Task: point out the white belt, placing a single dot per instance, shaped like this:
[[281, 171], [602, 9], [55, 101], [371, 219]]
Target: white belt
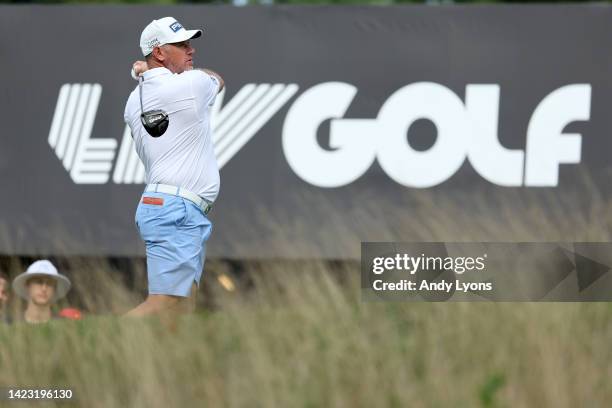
[[204, 205]]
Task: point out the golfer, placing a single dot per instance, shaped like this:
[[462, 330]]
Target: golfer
[[40, 285], [173, 100]]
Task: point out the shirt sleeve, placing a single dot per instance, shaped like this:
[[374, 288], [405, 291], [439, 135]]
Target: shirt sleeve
[[126, 116], [128, 112], [205, 87]]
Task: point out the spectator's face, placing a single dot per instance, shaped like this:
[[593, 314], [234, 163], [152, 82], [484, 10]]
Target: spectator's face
[[41, 290], [3, 291]]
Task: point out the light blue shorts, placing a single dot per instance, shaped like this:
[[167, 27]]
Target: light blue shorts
[[175, 232]]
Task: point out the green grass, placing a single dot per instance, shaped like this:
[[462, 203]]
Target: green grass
[[300, 338]]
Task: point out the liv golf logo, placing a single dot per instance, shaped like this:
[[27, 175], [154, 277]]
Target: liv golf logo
[[89, 161], [466, 130]]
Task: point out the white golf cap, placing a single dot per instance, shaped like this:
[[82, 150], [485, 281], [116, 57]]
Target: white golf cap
[[41, 268], [164, 31]]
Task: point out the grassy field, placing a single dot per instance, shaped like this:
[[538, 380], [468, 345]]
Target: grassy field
[[301, 337], [297, 334]]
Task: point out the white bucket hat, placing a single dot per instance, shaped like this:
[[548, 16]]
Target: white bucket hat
[[41, 268], [164, 31]]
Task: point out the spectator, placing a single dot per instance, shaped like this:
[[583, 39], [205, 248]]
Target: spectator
[[4, 297], [41, 285]]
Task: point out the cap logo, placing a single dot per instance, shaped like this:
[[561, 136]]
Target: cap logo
[[175, 26], [153, 42]]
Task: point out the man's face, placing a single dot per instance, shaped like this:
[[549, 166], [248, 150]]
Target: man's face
[[41, 290], [178, 56], [3, 291]]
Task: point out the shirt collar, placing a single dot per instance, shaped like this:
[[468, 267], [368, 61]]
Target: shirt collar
[[152, 73]]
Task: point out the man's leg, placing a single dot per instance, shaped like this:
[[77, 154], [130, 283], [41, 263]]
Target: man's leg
[[170, 247], [190, 303], [158, 304]]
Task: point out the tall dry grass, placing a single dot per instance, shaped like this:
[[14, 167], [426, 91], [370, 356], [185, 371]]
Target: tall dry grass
[[301, 337]]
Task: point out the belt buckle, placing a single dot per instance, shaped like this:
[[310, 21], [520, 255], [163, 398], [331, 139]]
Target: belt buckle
[[207, 208]]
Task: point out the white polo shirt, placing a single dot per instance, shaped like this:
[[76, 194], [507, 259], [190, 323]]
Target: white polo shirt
[[184, 155]]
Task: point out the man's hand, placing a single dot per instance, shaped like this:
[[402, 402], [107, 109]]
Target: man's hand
[[138, 68]]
